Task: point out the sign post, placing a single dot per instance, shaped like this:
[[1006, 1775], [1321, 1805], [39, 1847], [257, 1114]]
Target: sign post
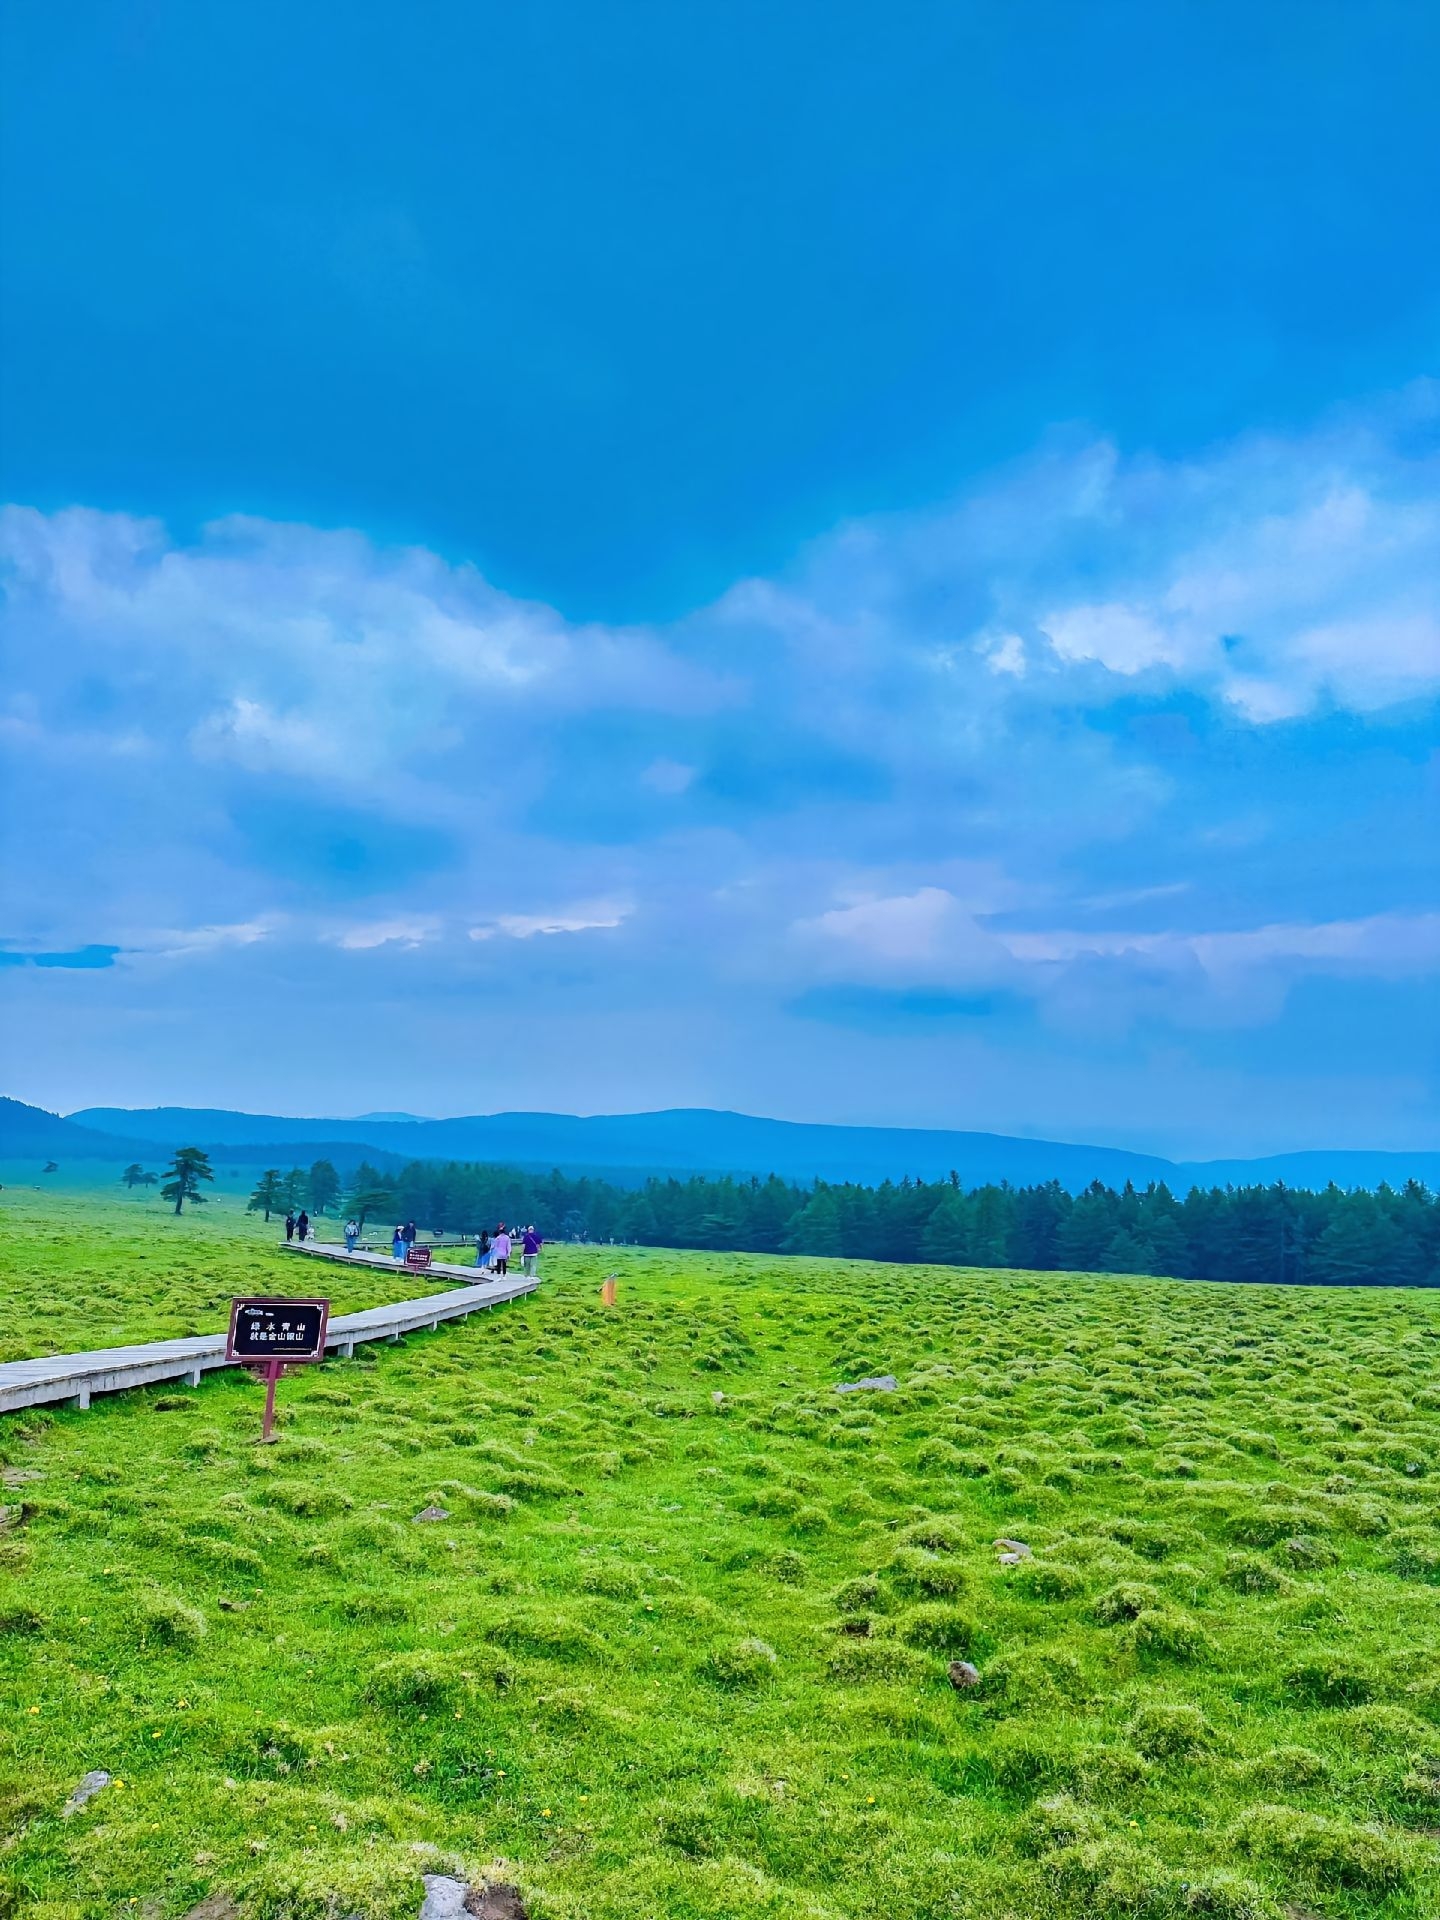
[[269, 1335], [418, 1257]]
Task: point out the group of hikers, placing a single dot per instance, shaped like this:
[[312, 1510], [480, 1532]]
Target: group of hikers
[[492, 1251], [492, 1255]]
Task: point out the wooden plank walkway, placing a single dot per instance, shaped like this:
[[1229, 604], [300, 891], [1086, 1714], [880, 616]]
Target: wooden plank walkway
[[74, 1377], [375, 1257]]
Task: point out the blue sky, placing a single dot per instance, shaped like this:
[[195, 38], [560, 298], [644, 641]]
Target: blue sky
[[862, 564]]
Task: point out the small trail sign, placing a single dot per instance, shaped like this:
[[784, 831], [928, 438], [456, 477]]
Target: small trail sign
[[270, 1335], [418, 1257]]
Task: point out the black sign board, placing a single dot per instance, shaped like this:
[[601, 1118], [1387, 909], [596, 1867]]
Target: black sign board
[[281, 1330], [418, 1257]]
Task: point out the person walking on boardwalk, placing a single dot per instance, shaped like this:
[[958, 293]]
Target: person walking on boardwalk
[[290, 1224], [482, 1251], [397, 1245], [530, 1245], [407, 1234], [352, 1234], [500, 1252], [302, 1226]]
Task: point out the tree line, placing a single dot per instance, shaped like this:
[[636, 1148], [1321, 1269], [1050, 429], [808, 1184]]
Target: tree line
[[1275, 1234]]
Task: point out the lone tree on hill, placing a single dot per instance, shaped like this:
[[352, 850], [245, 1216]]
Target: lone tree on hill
[[268, 1193], [51, 1166], [136, 1176], [183, 1177], [324, 1186]]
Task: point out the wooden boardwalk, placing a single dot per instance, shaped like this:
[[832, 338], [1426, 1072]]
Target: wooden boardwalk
[[74, 1377]]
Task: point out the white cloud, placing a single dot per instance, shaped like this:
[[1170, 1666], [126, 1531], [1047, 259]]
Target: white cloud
[[925, 937], [292, 648], [1123, 639], [367, 934], [1273, 575], [1387, 943], [263, 741], [181, 942], [584, 917], [1005, 654]]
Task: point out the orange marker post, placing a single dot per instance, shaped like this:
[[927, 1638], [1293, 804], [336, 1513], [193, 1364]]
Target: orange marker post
[[607, 1289]]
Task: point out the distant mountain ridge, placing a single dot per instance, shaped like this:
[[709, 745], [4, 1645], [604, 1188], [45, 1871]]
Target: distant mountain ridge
[[32, 1133], [702, 1140]]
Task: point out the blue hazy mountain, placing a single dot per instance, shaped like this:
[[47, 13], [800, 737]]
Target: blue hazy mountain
[[699, 1140], [28, 1133]]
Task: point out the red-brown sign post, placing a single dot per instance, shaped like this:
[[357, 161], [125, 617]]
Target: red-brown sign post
[[269, 1335]]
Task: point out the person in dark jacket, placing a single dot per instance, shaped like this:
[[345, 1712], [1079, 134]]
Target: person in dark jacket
[[302, 1226], [408, 1234], [290, 1224]]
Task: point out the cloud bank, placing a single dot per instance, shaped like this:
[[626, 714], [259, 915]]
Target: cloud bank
[[1113, 749]]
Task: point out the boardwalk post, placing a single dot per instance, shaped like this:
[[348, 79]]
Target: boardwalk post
[[272, 1374]]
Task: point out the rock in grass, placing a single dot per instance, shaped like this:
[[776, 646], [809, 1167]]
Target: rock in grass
[[444, 1897], [87, 1790], [1012, 1552], [962, 1675], [876, 1383], [432, 1513]]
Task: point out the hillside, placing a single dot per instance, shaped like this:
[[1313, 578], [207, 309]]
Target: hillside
[[696, 1140], [679, 1640], [32, 1133]]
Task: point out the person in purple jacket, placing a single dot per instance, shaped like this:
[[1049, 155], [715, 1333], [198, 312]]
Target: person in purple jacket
[[530, 1245], [500, 1250]]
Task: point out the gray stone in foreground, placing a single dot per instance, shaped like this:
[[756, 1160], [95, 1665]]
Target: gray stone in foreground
[[877, 1383], [433, 1513], [444, 1898], [87, 1790]]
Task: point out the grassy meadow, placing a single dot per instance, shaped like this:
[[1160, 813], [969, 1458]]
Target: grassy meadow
[[681, 1643]]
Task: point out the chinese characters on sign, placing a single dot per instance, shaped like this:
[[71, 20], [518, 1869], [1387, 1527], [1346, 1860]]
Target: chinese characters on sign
[[282, 1330]]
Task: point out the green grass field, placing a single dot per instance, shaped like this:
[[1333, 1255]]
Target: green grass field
[[681, 1646]]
